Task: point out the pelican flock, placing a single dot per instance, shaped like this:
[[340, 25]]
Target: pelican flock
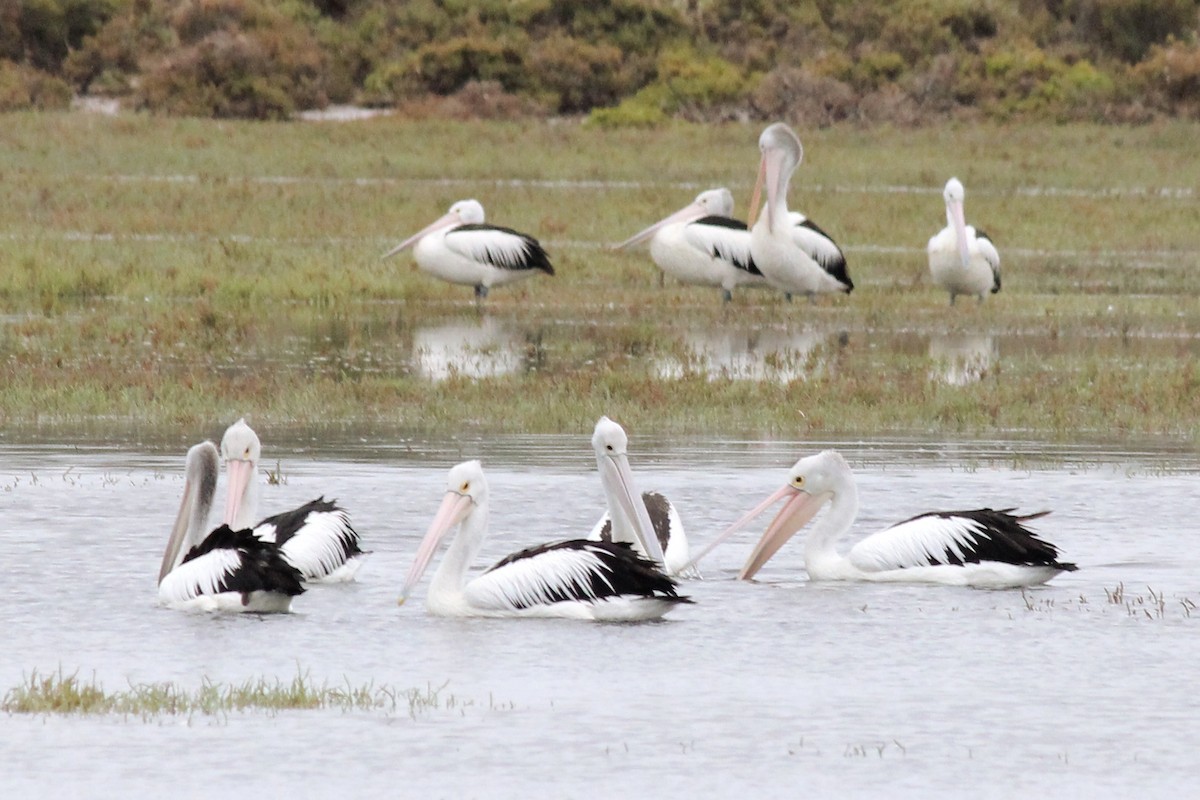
[[982, 548], [795, 255], [225, 570], [574, 579], [626, 568], [702, 244], [962, 259], [459, 248], [316, 537]]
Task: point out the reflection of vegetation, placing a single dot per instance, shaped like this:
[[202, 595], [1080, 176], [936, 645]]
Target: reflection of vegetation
[[59, 693], [631, 61]]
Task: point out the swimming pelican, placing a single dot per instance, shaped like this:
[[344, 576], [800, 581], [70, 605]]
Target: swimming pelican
[[316, 537], [576, 579], [984, 548], [612, 460], [962, 259], [460, 248], [226, 570], [794, 254], [702, 245]]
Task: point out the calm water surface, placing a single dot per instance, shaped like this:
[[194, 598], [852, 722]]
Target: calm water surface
[[776, 688]]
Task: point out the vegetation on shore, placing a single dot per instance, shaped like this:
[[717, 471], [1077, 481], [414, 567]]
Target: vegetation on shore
[[166, 274], [625, 62]]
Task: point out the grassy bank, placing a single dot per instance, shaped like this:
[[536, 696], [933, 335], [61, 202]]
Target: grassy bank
[[174, 272]]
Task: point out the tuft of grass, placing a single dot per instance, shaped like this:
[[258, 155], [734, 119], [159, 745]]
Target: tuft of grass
[[67, 694]]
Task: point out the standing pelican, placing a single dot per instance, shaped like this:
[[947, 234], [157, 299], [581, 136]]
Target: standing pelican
[[661, 521], [226, 570], [702, 245], [576, 579], [983, 548], [962, 260], [794, 254], [460, 248], [316, 537]]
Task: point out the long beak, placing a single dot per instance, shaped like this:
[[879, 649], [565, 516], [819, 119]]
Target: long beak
[[445, 221], [453, 510], [756, 198], [794, 515], [240, 474], [178, 530], [692, 212], [786, 491], [959, 221], [615, 474]]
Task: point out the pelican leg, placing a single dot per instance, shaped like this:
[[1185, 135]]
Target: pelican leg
[[726, 295], [480, 291]]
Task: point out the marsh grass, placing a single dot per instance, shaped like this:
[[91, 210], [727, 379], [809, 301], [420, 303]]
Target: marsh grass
[[1152, 605], [68, 694], [169, 273]]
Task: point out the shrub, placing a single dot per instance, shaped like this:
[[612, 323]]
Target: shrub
[[42, 32], [1128, 29], [804, 98], [23, 87], [235, 58], [444, 67], [629, 114], [575, 76], [1170, 78]]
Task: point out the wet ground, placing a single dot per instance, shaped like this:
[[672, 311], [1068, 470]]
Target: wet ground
[[773, 688]]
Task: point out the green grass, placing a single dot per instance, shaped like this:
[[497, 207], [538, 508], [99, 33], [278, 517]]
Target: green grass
[[163, 274], [67, 694]]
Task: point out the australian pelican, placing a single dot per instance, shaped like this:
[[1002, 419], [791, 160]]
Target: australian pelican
[[794, 254], [576, 579], [226, 570], [460, 248], [316, 537], [653, 520], [983, 548], [962, 259], [703, 245]]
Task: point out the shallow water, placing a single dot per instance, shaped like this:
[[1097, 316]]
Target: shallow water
[[776, 688]]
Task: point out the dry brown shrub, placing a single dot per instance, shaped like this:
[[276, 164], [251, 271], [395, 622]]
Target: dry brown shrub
[[1170, 76], [475, 100], [797, 95]]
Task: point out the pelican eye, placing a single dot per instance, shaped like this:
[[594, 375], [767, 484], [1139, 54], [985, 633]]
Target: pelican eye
[[465, 487], [608, 447], [798, 481]]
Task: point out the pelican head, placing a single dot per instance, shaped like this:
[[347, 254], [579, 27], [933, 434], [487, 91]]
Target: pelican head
[[466, 490], [631, 522], [464, 212], [781, 154], [811, 482], [954, 194], [711, 202], [241, 451], [199, 488]]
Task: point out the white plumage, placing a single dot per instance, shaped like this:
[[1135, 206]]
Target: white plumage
[[459, 248], [703, 245], [962, 260], [795, 255], [575, 579], [983, 548]]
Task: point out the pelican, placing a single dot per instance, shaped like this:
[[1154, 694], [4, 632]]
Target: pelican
[[575, 579], [983, 548], [962, 260], [794, 254], [702, 245], [461, 249], [226, 570], [661, 524], [316, 537]]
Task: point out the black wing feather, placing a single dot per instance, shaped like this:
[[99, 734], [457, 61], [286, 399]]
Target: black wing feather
[[535, 256], [1003, 538], [288, 524], [263, 567]]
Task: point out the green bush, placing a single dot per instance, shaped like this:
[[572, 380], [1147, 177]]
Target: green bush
[[575, 76], [42, 33]]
